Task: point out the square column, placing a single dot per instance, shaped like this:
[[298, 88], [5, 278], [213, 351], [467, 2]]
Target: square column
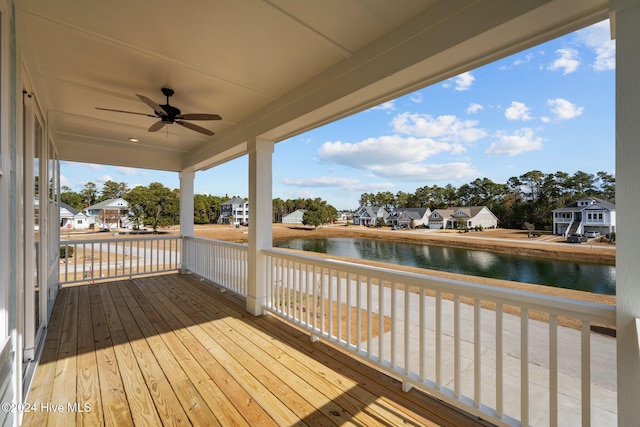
[[186, 202], [186, 213], [625, 21], [260, 214]]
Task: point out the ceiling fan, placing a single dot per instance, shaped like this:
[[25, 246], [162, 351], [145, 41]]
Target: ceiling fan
[[169, 114]]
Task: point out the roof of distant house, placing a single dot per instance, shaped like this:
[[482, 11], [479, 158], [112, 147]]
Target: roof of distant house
[[235, 201], [413, 213], [470, 211], [296, 212], [594, 203], [72, 210], [116, 203]]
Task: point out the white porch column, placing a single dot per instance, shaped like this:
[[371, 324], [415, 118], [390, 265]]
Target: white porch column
[[260, 213], [625, 20], [186, 202], [186, 212]]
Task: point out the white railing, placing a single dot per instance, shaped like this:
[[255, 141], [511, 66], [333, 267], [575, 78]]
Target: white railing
[[504, 355], [478, 347], [221, 262], [97, 259]]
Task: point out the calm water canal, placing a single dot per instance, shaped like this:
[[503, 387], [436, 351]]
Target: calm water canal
[[594, 278]]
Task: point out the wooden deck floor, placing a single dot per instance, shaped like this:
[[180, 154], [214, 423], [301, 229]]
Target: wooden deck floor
[[171, 350]]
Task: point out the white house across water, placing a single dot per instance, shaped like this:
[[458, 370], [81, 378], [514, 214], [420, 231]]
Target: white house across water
[[585, 215]]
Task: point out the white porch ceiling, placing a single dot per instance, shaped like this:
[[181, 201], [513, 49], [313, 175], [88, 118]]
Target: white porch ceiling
[[271, 69]]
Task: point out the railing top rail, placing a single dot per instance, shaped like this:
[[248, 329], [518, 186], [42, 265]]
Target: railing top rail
[[582, 310], [217, 242], [123, 238]]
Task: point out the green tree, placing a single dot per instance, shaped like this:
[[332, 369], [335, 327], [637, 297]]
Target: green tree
[[386, 199], [89, 194], [583, 184], [607, 185], [278, 209], [155, 205], [113, 190], [367, 199], [531, 184], [70, 197], [318, 212], [206, 208], [312, 217], [450, 196], [402, 199]]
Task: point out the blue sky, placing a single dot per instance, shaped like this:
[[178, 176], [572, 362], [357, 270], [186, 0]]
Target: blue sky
[[549, 108]]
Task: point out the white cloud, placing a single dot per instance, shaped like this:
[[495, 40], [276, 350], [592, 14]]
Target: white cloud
[[563, 109], [385, 106], [461, 82], [130, 171], [64, 181], [598, 38], [426, 172], [104, 178], [568, 61], [528, 57], [348, 184], [382, 150], [474, 108], [327, 181], [301, 194], [445, 128], [522, 60], [416, 98], [517, 111], [518, 142]]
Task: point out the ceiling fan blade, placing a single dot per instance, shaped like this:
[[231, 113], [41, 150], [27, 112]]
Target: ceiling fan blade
[[157, 126], [158, 109], [194, 127], [122, 111], [197, 116]]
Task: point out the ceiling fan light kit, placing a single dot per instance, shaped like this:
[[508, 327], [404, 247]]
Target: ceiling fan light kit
[[169, 114]]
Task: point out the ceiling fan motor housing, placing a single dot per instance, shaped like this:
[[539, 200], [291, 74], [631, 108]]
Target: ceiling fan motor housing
[[172, 111]]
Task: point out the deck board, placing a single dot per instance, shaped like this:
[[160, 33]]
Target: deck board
[[113, 399], [173, 350], [88, 384]]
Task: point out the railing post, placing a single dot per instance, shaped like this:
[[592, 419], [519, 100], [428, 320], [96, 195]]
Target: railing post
[[260, 234]]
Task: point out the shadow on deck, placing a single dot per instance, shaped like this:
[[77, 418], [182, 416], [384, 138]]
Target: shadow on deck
[[172, 350]]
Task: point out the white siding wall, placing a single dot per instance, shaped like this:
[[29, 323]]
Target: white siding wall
[[484, 219]]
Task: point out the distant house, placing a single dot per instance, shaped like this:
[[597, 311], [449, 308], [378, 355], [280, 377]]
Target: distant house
[[72, 219], [409, 217], [109, 214], [584, 215], [462, 217], [368, 215], [234, 211], [344, 216], [294, 217]]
